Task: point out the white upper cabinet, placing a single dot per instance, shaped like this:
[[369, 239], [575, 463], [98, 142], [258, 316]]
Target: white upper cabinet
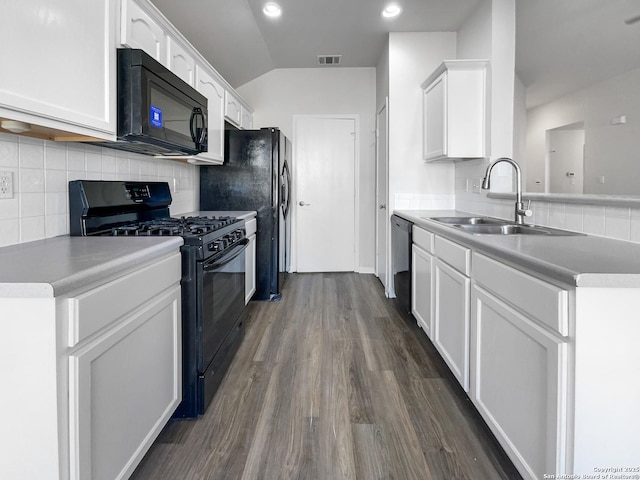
[[180, 61], [214, 91], [58, 66], [455, 111], [141, 30], [246, 121], [144, 27], [233, 109]]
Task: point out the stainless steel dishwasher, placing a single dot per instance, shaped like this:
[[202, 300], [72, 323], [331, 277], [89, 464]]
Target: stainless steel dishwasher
[[401, 239]]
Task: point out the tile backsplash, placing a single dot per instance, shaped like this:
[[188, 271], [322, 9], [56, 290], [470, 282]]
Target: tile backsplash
[[621, 223], [42, 169]]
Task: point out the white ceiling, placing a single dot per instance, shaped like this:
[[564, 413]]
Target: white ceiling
[[561, 45]]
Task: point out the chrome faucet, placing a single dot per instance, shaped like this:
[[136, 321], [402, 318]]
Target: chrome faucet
[[520, 211]]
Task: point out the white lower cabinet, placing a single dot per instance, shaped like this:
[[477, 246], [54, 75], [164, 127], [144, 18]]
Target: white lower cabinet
[[124, 386], [551, 367], [98, 378], [124, 375], [518, 383], [451, 319], [250, 277], [422, 288]]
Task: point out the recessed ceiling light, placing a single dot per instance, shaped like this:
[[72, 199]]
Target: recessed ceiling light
[[391, 10], [272, 9]]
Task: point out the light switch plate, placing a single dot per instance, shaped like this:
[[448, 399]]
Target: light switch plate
[[6, 184]]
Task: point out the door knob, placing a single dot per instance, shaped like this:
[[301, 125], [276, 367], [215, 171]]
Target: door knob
[[382, 206], [302, 204]]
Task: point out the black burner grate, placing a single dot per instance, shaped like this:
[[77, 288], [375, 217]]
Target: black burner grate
[[184, 226]]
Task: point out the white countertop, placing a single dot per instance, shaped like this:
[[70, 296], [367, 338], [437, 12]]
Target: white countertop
[[55, 266], [52, 267], [582, 260]]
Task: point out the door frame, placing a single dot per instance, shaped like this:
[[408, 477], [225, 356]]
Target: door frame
[[384, 106], [356, 188]]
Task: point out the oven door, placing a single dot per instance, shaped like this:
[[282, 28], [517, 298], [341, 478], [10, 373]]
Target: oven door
[[221, 299]]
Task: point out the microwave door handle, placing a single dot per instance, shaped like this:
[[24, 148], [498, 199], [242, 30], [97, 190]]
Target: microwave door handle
[[199, 137], [203, 132], [192, 123]]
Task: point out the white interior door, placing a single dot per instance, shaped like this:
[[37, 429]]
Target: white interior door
[[382, 215], [325, 190]]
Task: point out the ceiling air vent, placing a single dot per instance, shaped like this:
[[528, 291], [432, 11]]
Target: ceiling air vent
[[329, 59]]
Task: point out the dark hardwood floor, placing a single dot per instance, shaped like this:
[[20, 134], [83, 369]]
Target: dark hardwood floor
[[332, 382]]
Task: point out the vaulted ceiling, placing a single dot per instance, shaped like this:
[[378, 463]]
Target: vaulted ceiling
[[561, 45]]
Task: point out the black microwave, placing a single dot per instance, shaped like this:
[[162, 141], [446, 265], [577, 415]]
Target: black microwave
[[158, 112]]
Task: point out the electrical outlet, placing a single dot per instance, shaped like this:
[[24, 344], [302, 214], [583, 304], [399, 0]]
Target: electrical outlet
[[6, 184], [477, 185]]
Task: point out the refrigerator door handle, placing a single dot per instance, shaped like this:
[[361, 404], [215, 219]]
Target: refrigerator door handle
[[286, 187]]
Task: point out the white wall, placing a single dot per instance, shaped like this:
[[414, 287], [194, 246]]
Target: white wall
[[413, 183], [566, 155], [382, 76], [490, 33], [282, 93], [41, 172], [611, 151]]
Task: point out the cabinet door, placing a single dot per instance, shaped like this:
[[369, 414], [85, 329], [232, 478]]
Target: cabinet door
[[140, 30], [210, 88], [246, 122], [422, 288], [124, 387], [518, 383], [250, 278], [451, 319], [58, 64], [435, 119], [181, 62], [232, 109]]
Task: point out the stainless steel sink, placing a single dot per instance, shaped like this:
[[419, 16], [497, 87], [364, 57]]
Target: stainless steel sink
[[469, 220], [514, 229], [497, 226]]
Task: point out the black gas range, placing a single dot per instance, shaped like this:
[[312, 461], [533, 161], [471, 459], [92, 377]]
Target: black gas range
[[213, 272]]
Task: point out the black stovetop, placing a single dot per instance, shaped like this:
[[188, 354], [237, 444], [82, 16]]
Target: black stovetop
[[184, 226], [116, 208]]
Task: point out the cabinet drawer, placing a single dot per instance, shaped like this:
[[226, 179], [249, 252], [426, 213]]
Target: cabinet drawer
[[251, 227], [542, 301], [423, 239], [457, 256], [105, 304]]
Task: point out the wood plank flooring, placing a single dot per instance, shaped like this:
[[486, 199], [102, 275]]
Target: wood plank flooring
[[332, 382]]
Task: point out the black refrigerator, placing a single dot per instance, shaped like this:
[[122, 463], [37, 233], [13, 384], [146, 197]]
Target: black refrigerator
[[256, 175]]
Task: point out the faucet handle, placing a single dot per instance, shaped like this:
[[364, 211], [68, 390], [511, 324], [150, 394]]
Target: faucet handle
[[527, 212]]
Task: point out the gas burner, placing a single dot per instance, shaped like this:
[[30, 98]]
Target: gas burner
[[184, 226]]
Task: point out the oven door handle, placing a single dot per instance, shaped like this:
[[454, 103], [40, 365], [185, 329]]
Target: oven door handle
[[237, 250]]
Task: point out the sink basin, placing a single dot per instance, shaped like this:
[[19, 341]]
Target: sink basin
[[514, 229], [469, 220]]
